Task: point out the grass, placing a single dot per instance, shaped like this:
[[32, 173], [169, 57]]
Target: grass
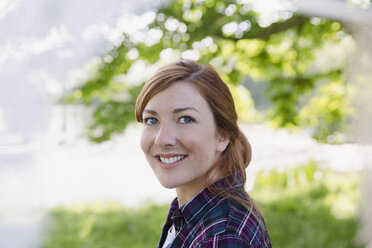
[[303, 207], [105, 225], [309, 207]]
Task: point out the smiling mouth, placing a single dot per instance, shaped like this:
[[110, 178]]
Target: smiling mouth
[[170, 160]]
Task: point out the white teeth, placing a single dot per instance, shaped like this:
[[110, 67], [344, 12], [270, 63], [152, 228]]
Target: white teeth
[[171, 159]]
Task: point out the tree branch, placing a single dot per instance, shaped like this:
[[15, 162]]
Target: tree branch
[[265, 33]]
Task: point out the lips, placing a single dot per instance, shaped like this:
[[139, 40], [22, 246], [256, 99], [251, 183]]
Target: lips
[[170, 159]]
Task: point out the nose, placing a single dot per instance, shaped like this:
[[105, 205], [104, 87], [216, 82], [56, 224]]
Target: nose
[[166, 136]]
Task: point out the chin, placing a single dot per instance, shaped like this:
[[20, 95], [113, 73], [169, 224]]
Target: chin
[[169, 185]]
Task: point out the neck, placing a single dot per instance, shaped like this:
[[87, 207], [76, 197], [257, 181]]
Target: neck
[[188, 191]]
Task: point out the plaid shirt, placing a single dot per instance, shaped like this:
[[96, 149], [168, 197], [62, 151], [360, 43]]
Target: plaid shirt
[[212, 221]]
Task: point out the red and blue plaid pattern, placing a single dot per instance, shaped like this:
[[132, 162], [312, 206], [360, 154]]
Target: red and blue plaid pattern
[[212, 221]]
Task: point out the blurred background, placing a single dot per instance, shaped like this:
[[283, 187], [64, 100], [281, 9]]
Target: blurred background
[[71, 170]]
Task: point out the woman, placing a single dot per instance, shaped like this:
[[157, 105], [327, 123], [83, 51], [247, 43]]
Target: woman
[[192, 142]]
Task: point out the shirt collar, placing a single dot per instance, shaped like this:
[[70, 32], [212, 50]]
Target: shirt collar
[[197, 207]]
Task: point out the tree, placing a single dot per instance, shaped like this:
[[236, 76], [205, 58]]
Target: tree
[[281, 53]]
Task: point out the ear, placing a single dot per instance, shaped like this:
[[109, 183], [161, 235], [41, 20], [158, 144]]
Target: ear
[[222, 143]]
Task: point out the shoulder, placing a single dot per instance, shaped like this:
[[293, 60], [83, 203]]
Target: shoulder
[[247, 224], [225, 241], [231, 225]]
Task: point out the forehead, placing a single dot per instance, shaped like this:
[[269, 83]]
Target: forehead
[[179, 94]]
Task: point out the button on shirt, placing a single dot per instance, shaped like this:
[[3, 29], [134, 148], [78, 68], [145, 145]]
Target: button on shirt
[[209, 220]]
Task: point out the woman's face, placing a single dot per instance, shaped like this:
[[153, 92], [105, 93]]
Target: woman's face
[[179, 137]]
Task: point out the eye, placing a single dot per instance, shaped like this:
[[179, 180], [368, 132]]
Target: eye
[[150, 121], [186, 120]]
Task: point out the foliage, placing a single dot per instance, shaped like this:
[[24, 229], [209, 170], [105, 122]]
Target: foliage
[[244, 104], [230, 35], [327, 120], [303, 207]]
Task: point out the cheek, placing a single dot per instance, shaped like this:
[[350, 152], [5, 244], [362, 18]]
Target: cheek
[[145, 141], [202, 143]]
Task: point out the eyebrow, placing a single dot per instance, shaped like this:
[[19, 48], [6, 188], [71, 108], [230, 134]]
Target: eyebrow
[[175, 111], [178, 110], [149, 111]]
